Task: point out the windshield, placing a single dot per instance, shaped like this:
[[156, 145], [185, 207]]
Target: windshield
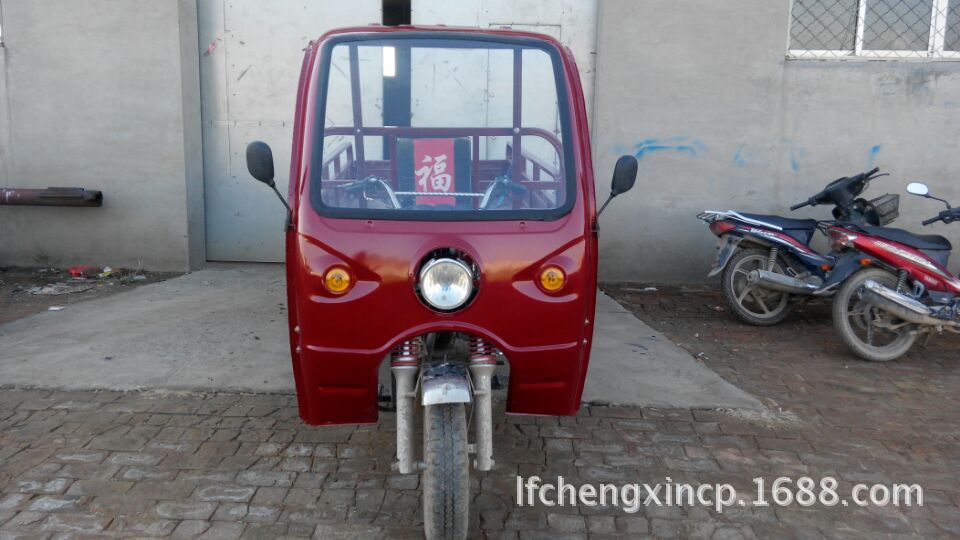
[[463, 128]]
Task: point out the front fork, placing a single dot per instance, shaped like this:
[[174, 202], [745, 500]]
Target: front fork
[[405, 364], [483, 363]]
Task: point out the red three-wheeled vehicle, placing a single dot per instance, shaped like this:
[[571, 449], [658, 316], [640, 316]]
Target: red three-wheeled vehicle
[[442, 220]]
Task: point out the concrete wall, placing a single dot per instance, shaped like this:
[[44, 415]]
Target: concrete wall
[[702, 94], [572, 22], [103, 94], [250, 65], [4, 124]]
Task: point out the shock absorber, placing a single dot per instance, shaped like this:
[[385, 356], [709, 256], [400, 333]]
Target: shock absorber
[[772, 259], [404, 364], [481, 350], [406, 353], [901, 280], [483, 364]]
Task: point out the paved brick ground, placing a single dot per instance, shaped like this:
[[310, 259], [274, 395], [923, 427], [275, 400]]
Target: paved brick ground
[[228, 465]]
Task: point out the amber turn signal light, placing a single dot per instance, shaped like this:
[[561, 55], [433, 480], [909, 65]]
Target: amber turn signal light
[[337, 280], [552, 279]]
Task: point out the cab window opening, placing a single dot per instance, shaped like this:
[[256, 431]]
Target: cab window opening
[[453, 128]]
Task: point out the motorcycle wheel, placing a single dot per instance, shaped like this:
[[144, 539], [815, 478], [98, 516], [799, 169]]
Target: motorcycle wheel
[[446, 479], [856, 321], [753, 305]]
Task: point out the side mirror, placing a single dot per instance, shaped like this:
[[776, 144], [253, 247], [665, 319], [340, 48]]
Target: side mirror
[[624, 176], [260, 162], [260, 165], [921, 190], [918, 188]]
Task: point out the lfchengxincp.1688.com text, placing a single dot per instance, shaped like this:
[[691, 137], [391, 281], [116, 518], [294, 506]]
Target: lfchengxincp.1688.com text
[[782, 491]]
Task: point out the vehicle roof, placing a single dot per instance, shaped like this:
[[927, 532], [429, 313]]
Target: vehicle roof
[[421, 29]]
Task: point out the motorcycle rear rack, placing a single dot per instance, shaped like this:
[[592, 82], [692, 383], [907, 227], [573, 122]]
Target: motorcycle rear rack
[[715, 215]]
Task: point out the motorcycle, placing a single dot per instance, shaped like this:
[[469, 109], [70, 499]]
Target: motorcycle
[[904, 289], [766, 262], [448, 248]]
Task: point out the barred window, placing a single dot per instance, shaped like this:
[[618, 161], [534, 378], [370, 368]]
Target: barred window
[[875, 29]]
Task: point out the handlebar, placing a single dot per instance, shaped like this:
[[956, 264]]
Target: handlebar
[[370, 181], [801, 205], [947, 216], [358, 185], [822, 196]]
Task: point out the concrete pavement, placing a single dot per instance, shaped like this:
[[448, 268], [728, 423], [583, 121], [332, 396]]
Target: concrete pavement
[[633, 364], [224, 329]]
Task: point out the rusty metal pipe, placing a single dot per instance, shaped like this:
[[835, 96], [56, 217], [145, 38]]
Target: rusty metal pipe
[[54, 196]]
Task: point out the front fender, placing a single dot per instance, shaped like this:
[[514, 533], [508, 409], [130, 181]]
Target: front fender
[[726, 247], [445, 383]]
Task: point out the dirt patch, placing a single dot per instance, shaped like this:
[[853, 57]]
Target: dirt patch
[[26, 291]]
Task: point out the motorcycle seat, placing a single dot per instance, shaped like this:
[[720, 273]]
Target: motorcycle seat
[[931, 242], [786, 224]]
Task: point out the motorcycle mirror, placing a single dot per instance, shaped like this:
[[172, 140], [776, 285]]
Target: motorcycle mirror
[[260, 165], [624, 176], [918, 188], [260, 162]]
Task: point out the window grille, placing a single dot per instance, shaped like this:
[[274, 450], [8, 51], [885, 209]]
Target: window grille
[[886, 29]]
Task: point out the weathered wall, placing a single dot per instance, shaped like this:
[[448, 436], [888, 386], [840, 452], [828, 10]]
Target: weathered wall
[[703, 95], [4, 122], [250, 65], [572, 22], [103, 94]]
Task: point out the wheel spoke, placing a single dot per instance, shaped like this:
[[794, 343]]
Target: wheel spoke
[[743, 294], [760, 301], [856, 312]]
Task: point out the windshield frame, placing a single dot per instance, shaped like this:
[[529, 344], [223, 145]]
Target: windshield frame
[[451, 39]]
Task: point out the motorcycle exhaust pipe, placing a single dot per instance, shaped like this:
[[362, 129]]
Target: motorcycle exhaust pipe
[[901, 306], [781, 282]]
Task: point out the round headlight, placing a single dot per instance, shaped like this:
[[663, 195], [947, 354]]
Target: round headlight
[[446, 284]]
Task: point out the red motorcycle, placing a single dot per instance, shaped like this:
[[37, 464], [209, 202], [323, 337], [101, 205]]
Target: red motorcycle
[[442, 226], [903, 291]]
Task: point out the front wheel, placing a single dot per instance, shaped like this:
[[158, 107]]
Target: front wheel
[[752, 304], [870, 332], [446, 479]]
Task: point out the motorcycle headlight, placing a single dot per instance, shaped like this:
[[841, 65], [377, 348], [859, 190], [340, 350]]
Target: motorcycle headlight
[[446, 284]]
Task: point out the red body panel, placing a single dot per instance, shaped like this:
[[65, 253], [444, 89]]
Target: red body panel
[[921, 267], [338, 342]]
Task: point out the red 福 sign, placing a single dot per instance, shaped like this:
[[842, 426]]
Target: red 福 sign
[[433, 161]]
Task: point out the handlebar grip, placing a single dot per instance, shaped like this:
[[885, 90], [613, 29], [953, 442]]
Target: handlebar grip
[[931, 220], [798, 206], [872, 171]]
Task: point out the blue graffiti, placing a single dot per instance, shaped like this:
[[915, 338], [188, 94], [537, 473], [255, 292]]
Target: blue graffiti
[[796, 154], [738, 158], [682, 145], [874, 150]]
